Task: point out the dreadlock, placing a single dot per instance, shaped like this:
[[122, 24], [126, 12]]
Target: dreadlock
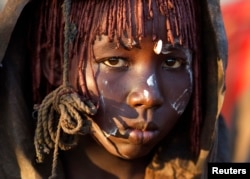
[[92, 18]]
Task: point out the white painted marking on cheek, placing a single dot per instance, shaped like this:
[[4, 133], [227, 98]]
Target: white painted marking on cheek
[[112, 132], [190, 72], [151, 80], [179, 105], [102, 99], [102, 102], [113, 128], [190, 75]]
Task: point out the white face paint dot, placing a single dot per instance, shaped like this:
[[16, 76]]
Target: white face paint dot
[[158, 47]]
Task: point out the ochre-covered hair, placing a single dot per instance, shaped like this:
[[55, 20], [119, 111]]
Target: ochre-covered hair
[[114, 18]]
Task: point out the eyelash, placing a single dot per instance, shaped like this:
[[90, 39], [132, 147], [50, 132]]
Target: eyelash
[[123, 63]]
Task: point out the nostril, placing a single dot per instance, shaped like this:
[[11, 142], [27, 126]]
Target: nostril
[[137, 105], [135, 99]]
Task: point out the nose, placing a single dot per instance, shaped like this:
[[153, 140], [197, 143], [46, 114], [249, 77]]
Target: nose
[[145, 95]]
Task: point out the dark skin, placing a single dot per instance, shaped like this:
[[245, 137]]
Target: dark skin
[[141, 95], [89, 160], [137, 117]]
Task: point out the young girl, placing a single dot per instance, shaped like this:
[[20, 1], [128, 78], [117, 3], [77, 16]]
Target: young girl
[[121, 89]]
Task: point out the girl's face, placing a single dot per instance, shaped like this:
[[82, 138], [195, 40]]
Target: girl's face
[[141, 94]]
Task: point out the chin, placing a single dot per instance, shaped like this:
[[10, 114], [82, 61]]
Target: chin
[[129, 152]]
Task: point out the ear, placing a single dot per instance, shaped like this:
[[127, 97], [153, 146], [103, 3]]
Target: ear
[[52, 67]]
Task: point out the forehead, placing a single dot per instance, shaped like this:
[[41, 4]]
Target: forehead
[[102, 47]]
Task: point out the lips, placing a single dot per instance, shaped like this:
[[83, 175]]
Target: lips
[[135, 131], [141, 137], [139, 132]]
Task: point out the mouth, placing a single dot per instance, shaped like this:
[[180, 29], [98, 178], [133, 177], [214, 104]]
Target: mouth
[[136, 136], [137, 133]]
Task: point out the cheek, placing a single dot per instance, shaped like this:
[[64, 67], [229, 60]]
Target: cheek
[[112, 86], [178, 90], [111, 101]]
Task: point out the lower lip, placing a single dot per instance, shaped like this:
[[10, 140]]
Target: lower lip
[[141, 137]]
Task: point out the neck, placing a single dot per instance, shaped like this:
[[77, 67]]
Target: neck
[[91, 160]]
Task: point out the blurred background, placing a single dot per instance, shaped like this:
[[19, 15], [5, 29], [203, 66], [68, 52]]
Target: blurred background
[[236, 107]]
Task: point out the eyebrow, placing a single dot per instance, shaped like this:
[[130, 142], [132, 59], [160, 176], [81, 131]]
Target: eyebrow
[[168, 47], [108, 46], [176, 46]]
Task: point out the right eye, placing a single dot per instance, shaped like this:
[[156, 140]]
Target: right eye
[[116, 62]]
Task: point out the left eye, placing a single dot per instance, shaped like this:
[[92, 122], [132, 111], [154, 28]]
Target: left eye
[[172, 63], [116, 62]]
